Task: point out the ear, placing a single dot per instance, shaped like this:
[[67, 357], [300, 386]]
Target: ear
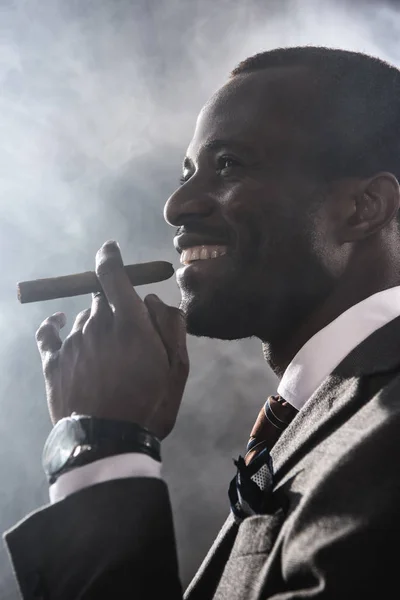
[[377, 202]]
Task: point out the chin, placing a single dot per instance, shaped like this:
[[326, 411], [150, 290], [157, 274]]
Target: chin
[[216, 299], [217, 318]]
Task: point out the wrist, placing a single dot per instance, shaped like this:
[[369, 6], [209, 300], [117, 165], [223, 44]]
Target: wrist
[[80, 440]]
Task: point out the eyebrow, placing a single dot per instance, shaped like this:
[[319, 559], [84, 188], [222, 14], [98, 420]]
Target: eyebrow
[[218, 144]]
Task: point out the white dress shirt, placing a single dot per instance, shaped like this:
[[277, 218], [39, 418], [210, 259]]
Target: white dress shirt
[[308, 369]]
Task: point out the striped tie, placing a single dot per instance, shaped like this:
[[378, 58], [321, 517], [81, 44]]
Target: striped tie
[[254, 477]]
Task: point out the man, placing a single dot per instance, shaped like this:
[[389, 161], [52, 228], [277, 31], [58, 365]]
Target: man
[[288, 231]]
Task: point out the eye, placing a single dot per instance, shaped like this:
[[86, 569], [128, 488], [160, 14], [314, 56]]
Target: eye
[[226, 162]]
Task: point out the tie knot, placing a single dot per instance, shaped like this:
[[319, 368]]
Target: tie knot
[[273, 418]]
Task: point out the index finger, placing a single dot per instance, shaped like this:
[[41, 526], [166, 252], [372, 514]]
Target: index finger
[[115, 283]]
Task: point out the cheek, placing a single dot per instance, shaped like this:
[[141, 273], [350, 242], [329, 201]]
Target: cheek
[[330, 253], [248, 209], [271, 224]]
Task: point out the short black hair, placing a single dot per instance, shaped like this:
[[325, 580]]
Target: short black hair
[[358, 118]]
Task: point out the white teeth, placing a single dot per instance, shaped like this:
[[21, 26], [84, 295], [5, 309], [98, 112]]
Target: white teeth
[[195, 254], [184, 256], [202, 253]]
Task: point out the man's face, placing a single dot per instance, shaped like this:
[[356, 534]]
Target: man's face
[[253, 237]]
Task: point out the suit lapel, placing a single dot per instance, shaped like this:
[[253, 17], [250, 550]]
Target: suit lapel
[[203, 585], [338, 397], [328, 402]]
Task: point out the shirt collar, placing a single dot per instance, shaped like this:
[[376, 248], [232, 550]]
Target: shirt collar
[[327, 348]]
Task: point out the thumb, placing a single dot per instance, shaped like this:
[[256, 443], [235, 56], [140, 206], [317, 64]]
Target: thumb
[[170, 324]]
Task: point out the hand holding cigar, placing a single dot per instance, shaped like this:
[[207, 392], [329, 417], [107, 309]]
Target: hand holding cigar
[[87, 283], [124, 359]]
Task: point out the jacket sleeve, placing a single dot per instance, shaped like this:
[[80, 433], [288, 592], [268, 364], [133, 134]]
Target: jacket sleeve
[[109, 541]]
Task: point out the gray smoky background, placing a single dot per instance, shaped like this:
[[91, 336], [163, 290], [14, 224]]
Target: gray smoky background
[[98, 100]]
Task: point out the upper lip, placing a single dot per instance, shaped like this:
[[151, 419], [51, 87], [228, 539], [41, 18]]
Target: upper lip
[[189, 240]]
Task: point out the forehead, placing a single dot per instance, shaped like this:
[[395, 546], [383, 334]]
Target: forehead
[[271, 106]]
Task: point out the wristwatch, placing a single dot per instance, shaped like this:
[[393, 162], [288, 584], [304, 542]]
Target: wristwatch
[[81, 439]]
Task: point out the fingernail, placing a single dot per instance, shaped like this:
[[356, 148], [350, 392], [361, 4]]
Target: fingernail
[[109, 255]]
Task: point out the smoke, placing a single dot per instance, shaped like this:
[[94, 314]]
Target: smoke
[[98, 100]]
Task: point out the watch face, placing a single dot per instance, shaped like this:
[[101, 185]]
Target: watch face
[[60, 445]]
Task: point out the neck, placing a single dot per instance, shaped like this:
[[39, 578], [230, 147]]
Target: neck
[[350, 291]]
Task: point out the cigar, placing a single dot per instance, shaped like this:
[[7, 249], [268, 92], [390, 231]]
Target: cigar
[[87, 283]]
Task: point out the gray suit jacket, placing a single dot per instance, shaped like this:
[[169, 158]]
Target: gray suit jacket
[[330, 530]]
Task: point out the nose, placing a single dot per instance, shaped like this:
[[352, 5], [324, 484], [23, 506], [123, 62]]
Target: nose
[[186, 205]]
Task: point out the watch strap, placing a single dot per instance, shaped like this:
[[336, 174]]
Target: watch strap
[[110, 434], [103, 438]]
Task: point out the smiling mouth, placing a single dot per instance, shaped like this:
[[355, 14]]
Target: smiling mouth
[[190, 255]]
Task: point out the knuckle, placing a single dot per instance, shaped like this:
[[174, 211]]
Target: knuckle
[[95, 325], [72, 339], [39, 334], [84, 314], [89, 325], [49, 365], [43, 330], [81, 318]]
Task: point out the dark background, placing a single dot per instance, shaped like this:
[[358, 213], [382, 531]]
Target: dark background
[[98, 100]]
